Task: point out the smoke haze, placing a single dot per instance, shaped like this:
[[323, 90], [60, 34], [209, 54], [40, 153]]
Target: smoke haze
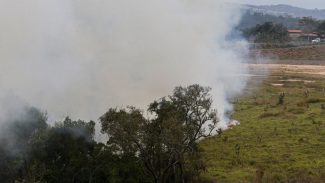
[[78, 58]]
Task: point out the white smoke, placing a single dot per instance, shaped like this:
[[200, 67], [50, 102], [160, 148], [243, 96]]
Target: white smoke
[[78, 57]]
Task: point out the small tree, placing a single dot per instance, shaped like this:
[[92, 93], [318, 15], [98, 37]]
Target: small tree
[[281, 98], [321, 27]]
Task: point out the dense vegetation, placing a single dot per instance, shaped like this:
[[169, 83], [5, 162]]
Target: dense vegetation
[[66, 152], [159, 148], [273, 31], [281, 136], [268, 32]]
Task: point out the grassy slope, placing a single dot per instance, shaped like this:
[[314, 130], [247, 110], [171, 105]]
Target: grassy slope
[[283, 142]]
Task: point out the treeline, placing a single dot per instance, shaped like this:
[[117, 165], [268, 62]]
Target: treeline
[[159, 148], [251, 19], [273, 32]]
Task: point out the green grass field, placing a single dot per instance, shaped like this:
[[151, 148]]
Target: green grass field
[[275, 142]]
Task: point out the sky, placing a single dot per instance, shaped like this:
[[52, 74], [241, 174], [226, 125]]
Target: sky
[[310, 4]]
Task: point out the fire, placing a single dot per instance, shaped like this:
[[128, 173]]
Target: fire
[[232, 123]]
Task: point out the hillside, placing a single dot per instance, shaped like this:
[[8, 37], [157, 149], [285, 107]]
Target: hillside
[[250, 19], [284, 14], [274, 143], [285, 10]]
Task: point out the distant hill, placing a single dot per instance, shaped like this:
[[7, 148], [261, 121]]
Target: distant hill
[[284, 14], [287, 10], [251, 18]]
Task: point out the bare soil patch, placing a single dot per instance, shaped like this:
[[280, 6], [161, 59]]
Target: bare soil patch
[[311, 55], [300, 69]]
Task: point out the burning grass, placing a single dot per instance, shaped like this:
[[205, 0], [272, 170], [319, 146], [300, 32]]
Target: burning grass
[[281, 143]]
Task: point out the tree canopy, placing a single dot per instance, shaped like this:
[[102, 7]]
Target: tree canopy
[[268, 32], [163, 141], [158, 147]]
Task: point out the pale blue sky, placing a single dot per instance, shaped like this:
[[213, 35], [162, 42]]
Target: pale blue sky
[[311, 4]]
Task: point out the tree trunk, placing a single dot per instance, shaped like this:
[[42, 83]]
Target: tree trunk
[[182, 173]]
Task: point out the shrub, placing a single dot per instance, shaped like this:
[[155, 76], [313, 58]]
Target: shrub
[[315, 100], [269, 114], [281, 99], [296, 110]]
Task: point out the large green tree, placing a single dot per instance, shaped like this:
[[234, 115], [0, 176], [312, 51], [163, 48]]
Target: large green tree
[[268, 32], [166, 141]]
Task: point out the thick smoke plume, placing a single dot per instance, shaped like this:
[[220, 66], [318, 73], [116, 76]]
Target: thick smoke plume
[[78, 58]]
